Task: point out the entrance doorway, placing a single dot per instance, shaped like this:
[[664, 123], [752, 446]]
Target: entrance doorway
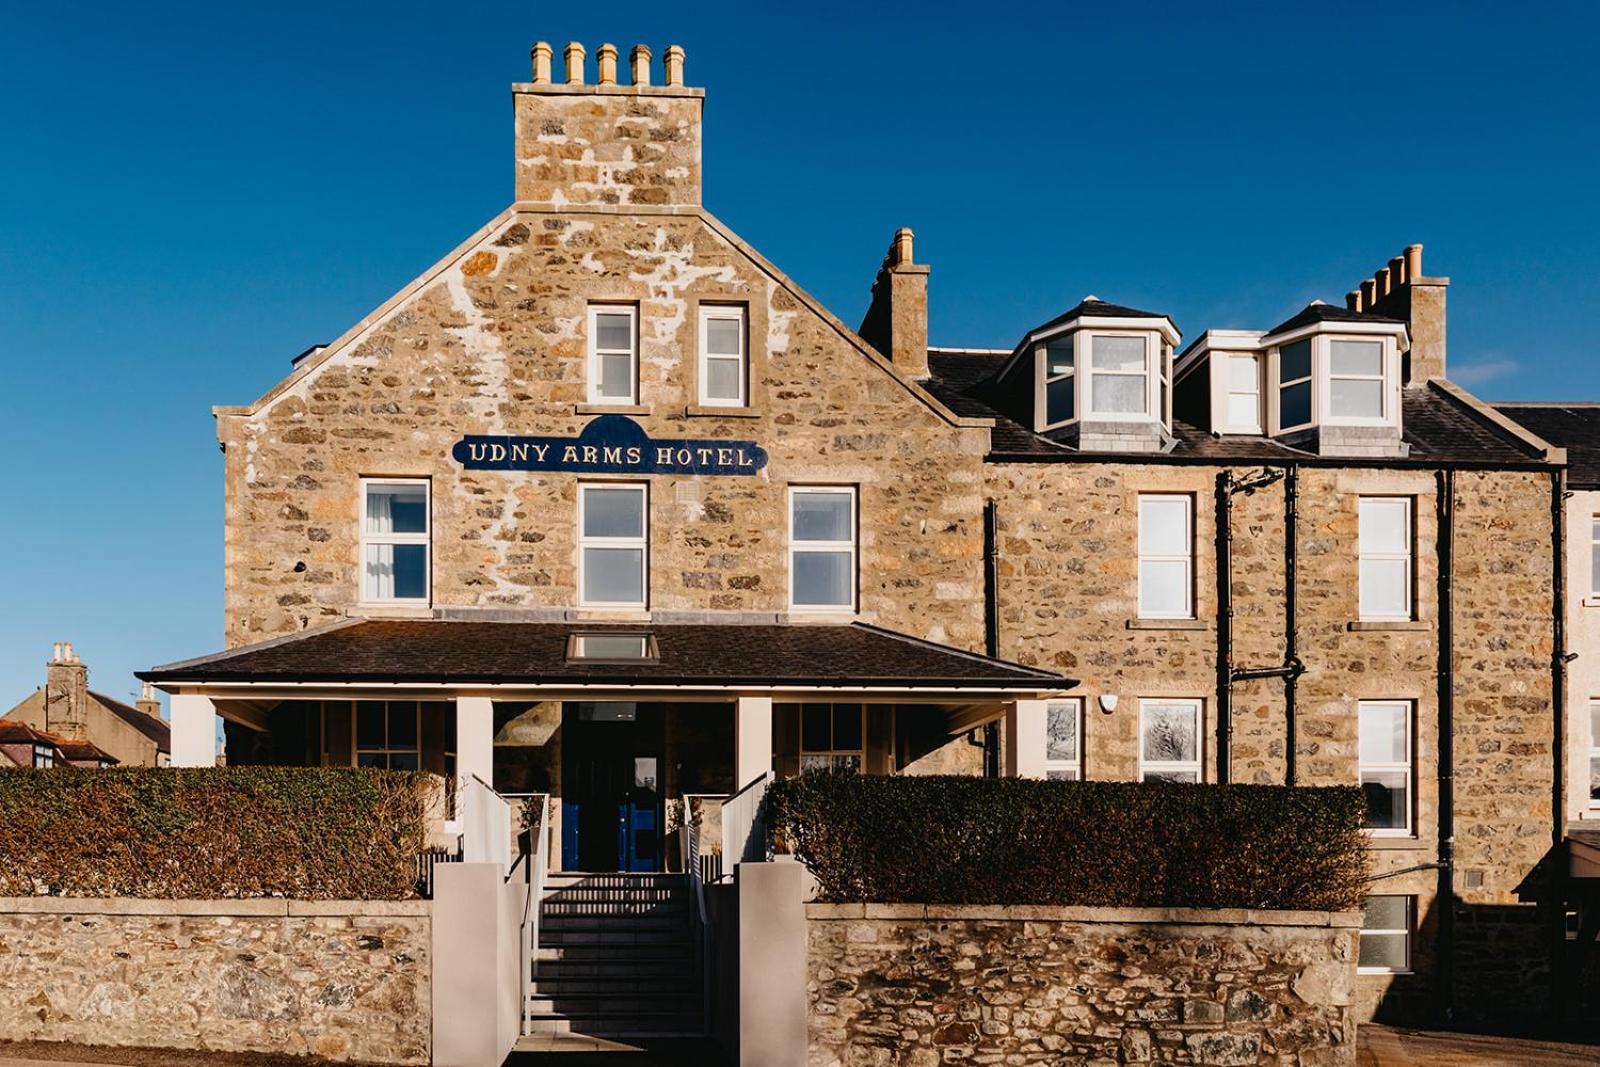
[[612, 812]]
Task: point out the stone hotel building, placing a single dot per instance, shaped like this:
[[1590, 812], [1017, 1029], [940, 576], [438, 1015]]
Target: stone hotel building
[[603, 504]]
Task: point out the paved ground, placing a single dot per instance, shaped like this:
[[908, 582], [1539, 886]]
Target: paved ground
[[1383, 1046]]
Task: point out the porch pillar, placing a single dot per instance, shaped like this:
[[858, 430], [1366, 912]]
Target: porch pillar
[[1025, 738], [194, 731], [475, 738], [752, 739]]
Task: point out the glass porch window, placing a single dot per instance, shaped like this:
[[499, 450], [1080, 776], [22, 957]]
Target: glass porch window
[[613, 354], [1385, 745], [394, 541], [832, 737], [1063, 740], [388, 735], [612, 545], [822, 547], [1386, 935], [1169, 740]]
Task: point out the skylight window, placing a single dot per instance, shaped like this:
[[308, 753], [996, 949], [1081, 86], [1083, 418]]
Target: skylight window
[[612, 647]]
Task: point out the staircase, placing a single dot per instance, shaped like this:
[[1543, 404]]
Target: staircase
[[617, 958]]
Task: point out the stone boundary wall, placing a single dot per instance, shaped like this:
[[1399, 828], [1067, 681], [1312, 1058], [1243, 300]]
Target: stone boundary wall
[[344, 980], [924, 985]]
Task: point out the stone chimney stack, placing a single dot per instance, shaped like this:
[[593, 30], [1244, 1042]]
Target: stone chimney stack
[[580, 143], [149, 703], [896, 323], [1400, 290], [66, 694]]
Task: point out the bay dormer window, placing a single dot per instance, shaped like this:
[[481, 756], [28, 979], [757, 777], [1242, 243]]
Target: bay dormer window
[[1120, 373], [1294, 385], [1357, 385], [1336, 372], [1059, 385]]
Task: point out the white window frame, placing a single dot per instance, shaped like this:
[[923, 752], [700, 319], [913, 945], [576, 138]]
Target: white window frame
[[1405, 932], [725, 312], [1069, 770], [1151, 375], [595, 352], [1045, 380], [1229, 391], [1407, 766], [1322, 350], [1408, 557], [1592, 801], [1594, 545], [1187, 558], [1196, 765], [425, 539], [44, 756], [641, 542], [1280, 384], [827, 546]]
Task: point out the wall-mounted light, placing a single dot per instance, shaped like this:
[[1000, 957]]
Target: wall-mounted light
[[1108, 702]]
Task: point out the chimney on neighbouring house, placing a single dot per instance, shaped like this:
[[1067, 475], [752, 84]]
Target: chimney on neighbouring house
[[1401, 291], [149, 703], [896, 323], [66, 694], [604, 142]]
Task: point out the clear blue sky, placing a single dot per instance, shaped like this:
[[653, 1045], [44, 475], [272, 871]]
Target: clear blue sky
[[192, 193]]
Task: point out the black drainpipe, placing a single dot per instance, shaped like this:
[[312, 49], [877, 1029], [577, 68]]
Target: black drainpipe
[[1559, 659], [1291, 647], [1445, 502], [1224, 625], [991, 626]]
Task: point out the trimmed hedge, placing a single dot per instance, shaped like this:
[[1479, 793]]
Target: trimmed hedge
[[212, 833], [961, 840]]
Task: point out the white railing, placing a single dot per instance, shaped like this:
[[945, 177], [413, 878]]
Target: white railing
[[689, 840], [538, 861], [485, 824], [744, 830]]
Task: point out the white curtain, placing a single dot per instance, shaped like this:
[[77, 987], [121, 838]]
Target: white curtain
[[380, 558]]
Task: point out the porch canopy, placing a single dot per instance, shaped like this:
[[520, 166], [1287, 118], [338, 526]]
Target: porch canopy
[[475, 663]]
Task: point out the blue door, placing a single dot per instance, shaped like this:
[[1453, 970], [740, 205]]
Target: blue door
[[611, 787]]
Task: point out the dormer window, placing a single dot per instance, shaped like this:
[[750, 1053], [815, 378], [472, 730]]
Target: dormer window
[[1355, 380], [1060, 396], [1294, 385], [1120, 372]]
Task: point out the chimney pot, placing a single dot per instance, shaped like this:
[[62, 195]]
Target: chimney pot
[[1369, 293], [542, 52], [1413, 254], [1397, 272], [641, 64], [674, 65], [1381, 277], [71, 657], [903, 238], [1352, 300], [607, 58], [55, 652], [574, 55]]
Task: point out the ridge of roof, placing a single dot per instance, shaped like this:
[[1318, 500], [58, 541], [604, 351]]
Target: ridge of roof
[[1316, 311], [156, 729]]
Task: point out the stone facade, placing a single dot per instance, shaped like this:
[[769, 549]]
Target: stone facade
[[921, 986], [338, 980]]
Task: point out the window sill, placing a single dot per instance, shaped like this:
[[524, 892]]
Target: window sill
[[610, 409], [389, 610], [1395, 843], [1368, 625], [1591, 601], [1381, 972], [1169, 624], [730, 411]]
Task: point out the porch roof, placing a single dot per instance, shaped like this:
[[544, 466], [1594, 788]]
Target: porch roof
[[732, 655]]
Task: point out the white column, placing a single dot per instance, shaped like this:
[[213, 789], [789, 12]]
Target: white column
[[194, 731], [752, 739], [1025, 739], [475, 738]]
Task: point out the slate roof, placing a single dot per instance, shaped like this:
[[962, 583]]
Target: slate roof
[[1436, 425], [448, 651], [20, 733], [153, 727], [1312, 313], [1098, 309], [1575, 427]]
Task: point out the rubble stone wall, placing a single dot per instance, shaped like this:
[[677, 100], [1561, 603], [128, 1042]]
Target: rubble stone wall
[[339, 980]]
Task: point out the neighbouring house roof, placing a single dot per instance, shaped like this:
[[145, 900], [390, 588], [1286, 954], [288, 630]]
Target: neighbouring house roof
[[152, 726], [20, 733], [1575, 427], [1437, 426], [440, 651]]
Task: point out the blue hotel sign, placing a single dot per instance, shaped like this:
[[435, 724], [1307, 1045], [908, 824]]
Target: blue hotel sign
[[611, 444]]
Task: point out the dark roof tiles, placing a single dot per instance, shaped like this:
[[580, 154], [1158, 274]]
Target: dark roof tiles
[[1319, 312], [1574, 427]]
